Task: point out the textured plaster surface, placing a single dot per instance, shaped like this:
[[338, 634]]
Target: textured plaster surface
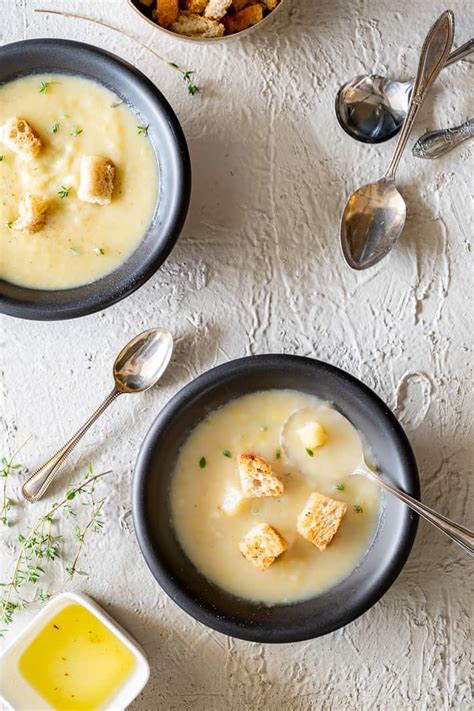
[[258, 269]]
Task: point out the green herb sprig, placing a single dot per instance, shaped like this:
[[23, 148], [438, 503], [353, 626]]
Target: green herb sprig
[[143, 130], [44, 86], [358, 508], [41, 545], [7, 467], [340, 487], [64, 192], [187, 78]]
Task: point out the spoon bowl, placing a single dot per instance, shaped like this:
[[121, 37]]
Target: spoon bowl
[[142, 362], [372, 223]]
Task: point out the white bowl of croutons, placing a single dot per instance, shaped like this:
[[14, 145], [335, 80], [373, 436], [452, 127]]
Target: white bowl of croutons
[[206, 20]]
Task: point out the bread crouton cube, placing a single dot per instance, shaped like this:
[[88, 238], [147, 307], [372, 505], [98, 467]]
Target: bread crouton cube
[[239, 4], [312, 435], [216, 9], [232, 500], [243, 19], [97, 177], [31, 214], [320, 519], [194, 5], [257, 478], [21, 138], [262, 545], [271, 4], [166, 12], [193, 25]]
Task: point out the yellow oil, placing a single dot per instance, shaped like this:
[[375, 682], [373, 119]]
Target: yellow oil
[[75, 662]]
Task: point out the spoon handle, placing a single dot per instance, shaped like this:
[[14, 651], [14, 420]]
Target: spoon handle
[[434, 53], [457, 533], [35, 486], [461, 52], [437, 143]]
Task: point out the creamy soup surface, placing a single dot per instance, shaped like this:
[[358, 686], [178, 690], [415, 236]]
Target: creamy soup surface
[[204, 470], [80, 242]]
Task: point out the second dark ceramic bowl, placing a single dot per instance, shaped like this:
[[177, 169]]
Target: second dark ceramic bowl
[[151, 107], [204, 600]]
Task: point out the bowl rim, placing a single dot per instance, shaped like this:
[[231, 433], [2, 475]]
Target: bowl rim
[[27, 307], [207, 40], [178, 593]]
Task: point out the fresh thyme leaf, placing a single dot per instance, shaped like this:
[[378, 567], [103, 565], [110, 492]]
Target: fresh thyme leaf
[[202, 462], [263, 428], [10, 224], [1, 158], [309, 452], [75, 132], [64, 192], [278, 454], [254, 510], [54, 128], [340, 487], [143, 130], [70, 495], [193, 89], [226, 453], [358, 508], [174, 65], [44, 86], [75, 250], [99, 250]]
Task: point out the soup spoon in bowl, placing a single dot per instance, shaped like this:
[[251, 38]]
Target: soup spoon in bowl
[[358, 467], [372, 108], [138, 366], [374, 215]]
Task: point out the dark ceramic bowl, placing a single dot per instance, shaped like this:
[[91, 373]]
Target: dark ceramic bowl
[[151, 108], [207, 602]]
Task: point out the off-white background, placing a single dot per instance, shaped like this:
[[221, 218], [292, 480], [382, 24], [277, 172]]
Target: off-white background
[[258, 269]]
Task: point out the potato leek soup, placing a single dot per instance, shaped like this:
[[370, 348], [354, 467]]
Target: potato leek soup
[[78, 181], [262, 501]]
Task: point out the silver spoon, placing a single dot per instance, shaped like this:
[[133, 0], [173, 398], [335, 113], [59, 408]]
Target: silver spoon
[[375, 214], [457, 533], [435, 144], [137, 368], [372, 108]]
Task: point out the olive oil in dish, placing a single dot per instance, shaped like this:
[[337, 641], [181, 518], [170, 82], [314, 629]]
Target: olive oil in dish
[[75, 662]]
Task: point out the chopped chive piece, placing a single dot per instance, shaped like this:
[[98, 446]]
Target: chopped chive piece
[[202, 462], [54, 128], [278, 454], [64, 192], [76, 132], [340, 487], [143, 130], [309, 452], [226, 453], [44, 86], [74, 250], [358, 508], [99, 250]]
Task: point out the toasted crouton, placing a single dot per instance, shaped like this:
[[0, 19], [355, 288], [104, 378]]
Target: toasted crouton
[[96, 180], [216, 9], [194, 5], [146, 3], [244, 18], [257, 478], [262, 545], [193, 25], [31, 214], [320, 519], [21, 138], [271, 4], [166, 12], [240, 4]]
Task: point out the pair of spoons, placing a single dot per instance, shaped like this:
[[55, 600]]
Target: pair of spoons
[[139, 366], [375, 214]]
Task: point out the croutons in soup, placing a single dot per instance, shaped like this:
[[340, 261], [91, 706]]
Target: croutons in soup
[[78, 181], [263, 501]]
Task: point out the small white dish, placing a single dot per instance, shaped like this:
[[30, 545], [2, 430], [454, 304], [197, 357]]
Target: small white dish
[[19, 695]]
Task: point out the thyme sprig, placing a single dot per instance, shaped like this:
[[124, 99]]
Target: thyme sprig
[[186, 74], [7, 467], [42, 545]]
